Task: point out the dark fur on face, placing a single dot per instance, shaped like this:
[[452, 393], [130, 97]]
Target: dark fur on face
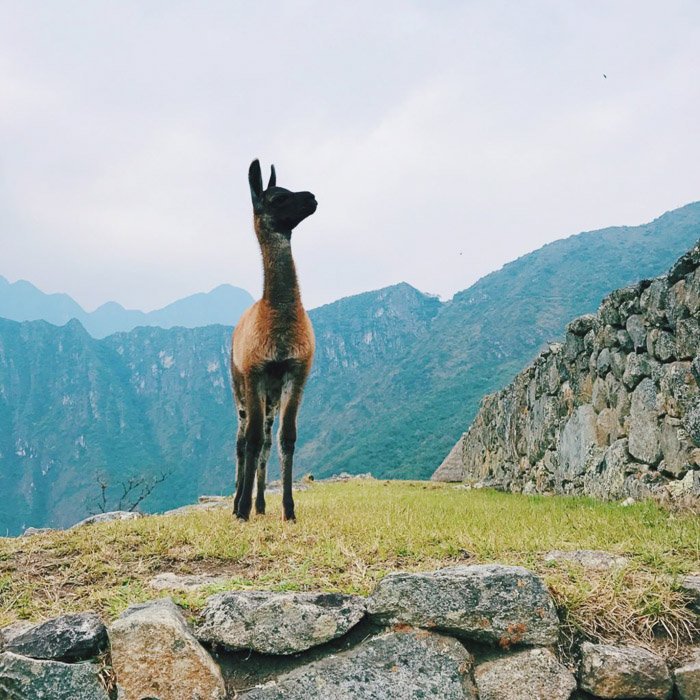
[[278, 209]]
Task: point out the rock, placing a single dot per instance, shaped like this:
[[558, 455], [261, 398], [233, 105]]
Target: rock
[[687, 339], [578, 436], [581, 325], [493, 604], [623, 672], [31, 531], [644, 434], [410, 665], [685, 265], [607, 427], [22, 678], [629, 501], [573, 346], [451, 468], [654, 300], [108, 518], [7, 634], [169, 581], [677, 448], [687, 678], [637, 331], [636, 368], [214, 499], [603, 362], [607, 480], [618, 363], [154, 655], [689, 485], [691, 420], [589, 559], [534, 674], [624, 341], [690, 585], [608, 313], [67, 638], [665, 348], [277, 623]]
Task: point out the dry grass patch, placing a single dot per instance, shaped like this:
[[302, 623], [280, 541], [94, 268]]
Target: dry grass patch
[[349, 535]]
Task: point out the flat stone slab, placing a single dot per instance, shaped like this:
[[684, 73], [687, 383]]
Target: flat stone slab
[[410, 665], [497, 605], [107, 518], [594, 559], [535, 674], [74, 637], [154, 655], [22, 678], [169, 581], [277, 623], [623, 672]]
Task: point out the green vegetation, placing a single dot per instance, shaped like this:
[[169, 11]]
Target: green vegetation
[[349, 535], [397, 378]]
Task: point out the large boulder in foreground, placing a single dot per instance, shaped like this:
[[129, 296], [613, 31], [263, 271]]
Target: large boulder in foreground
[[535, 674], [277, 623], [154, 655], [623, 672], [22, 678], [494, 604], [67, 638], [409, 665]]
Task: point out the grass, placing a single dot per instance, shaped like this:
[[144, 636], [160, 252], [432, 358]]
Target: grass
[[349, 535]]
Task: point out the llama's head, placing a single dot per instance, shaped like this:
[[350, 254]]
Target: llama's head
[[277, 209]]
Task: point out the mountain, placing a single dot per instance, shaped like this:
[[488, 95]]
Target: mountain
[[404, 419], [75, 410], [397, 376], [22, 301]]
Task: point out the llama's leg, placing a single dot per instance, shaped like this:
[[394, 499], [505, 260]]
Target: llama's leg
[[287, 437], [264, 456], [253, 445], [240, 458], [239, 397]]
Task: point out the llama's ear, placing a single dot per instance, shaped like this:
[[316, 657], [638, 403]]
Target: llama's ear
[[273, 177], [255, 182]]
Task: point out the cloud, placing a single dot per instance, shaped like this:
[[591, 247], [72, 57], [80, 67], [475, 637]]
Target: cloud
[[485, 129]]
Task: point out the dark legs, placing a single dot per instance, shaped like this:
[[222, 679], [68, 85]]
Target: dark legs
[[264, 455], [287, 437], [239, 396], [253, 446], [257, 404]]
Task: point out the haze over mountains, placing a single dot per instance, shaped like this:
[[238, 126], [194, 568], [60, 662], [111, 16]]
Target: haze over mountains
[[22, 301], [397, 377]]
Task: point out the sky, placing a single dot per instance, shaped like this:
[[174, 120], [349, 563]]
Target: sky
[[441, 139]]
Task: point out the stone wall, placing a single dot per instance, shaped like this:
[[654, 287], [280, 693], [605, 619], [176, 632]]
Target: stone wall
[[481, 632], [612, 412]]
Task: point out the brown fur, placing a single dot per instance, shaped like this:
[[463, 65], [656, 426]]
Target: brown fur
[[273, 348]]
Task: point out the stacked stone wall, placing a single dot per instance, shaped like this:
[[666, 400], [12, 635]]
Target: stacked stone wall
[[613, 411]]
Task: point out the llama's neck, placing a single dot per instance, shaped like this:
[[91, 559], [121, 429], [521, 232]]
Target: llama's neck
[[281, 287]]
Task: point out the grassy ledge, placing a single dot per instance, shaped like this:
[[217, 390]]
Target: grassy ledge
[[349, 535]]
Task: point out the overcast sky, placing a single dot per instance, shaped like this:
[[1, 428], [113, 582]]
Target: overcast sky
[[442, 139]]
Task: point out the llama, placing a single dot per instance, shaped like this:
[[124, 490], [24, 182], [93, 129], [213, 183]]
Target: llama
[[273, 347]]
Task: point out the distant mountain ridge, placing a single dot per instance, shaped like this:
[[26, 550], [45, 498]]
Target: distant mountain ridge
[[397, 376], [22, 301]]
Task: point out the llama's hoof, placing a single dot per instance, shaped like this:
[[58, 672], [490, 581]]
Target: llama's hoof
[[240, 516], [260, 509], [289, 517]]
